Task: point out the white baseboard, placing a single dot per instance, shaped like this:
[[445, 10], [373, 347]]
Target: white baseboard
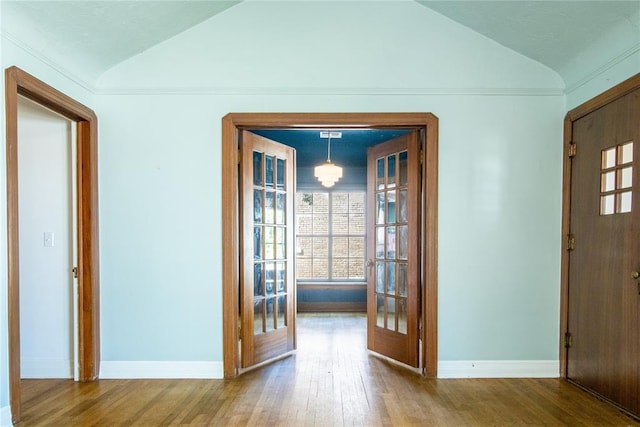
[[5, 416], [46, 368], [499, 369], [173, 370]]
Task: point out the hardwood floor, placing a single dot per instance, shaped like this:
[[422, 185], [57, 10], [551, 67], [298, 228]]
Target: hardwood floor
[[330, 381]]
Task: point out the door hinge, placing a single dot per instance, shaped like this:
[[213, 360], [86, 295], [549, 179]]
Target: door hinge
[[571, 242], [239, 156], [568, 340], [573, 149], [74, 270]]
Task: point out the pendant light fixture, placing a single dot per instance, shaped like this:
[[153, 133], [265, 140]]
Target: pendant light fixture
[[328, 173]]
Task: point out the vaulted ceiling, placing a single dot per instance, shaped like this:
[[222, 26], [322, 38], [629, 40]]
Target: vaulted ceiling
[[94, 35]]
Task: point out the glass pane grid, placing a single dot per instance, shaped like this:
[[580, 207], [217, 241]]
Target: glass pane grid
[[391, 242], [616, 179], [330, 230], [269, 240]]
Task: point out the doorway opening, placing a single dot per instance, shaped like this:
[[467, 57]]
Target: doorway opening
[[233, 125], [20, 83]]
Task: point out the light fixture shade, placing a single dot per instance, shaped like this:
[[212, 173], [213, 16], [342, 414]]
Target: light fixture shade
[[328, 173]]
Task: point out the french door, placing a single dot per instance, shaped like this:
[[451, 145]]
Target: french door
[[603, 338], [393, 269], [267, 287]]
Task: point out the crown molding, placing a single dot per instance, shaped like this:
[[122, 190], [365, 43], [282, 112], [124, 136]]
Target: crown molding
[[332, 91], [65, 72], [278, 90], [603, 68]]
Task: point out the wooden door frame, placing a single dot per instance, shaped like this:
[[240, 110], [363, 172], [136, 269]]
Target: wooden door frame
[[232, 123], [19, 82], [572, 116]]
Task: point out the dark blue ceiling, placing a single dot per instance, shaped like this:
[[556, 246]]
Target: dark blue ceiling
[[350, 150]]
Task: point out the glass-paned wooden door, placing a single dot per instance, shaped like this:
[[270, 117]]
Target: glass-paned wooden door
[[267, 250], [393, 269]]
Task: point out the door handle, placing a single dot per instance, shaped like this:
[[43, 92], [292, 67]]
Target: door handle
[[371, 263], [635, 274]]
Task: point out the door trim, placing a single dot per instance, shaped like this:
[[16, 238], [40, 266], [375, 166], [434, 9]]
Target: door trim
[[18, 82], [575, 114], [232, 123]]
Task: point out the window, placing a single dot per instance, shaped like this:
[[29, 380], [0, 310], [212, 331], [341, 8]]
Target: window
[[616, 173], [330, 236]]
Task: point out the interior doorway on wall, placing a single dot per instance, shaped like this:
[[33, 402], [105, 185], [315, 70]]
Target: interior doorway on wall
[[236, 124], [19, 83], [46, 168]]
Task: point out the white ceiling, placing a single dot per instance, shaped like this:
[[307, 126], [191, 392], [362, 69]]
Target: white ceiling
[[94, 35]]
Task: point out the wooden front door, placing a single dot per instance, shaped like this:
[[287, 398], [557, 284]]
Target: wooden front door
[[267, 286], [603, 339], [393, 270]]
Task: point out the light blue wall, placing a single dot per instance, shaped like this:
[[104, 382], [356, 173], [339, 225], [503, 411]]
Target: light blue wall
[[500, 167]]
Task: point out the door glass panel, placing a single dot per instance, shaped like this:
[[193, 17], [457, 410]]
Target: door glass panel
[[625, 177], [402, 206], [380, 208], [257, 242], [391, 313], [402, 279], [257, 205], [269, 243], [608, 181], [609, 158], [270, 278], [282, 312], [379, 242], [607, 204], [402, 315], [379, 277], [380, 173], [391, 171], [380, 311], [257, 168], [280, 274], [391, 278], [269, 317], [402, 241], [269, 208], [625, 202], [269, 171], [258, 288], [403, 174], [281, 206], [258, 321], [280, 174], [391, 242], [280, 243], [626, 153], [391, 206]]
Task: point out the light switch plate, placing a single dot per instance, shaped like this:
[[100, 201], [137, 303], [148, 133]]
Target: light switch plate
[[48, 239]]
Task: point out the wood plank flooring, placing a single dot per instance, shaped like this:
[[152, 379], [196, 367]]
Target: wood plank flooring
[[330, 381]]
